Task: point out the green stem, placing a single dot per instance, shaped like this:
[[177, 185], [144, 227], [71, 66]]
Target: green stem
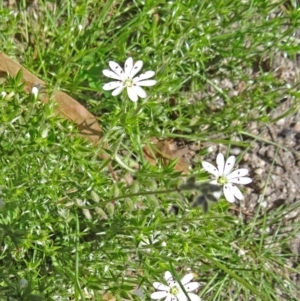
[[138, 141], [232, 274], [133, 195], [77, 260], [269, 142]]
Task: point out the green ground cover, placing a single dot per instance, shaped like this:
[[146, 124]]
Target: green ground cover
[[68, 230]]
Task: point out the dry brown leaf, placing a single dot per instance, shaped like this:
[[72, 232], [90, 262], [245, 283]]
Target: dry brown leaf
[[11, 4], [165, 151], [67, 108]]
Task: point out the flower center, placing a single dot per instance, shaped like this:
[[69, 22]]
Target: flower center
[[222, 180], [128, 82], [174, 290]]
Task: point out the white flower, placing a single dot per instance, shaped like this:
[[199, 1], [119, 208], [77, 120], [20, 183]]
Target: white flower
[[224, 177], [127, 80], [35, 91], [173, 291]]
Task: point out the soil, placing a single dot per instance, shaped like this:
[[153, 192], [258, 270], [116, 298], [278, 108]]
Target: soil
[[274, 157], [273, 161]]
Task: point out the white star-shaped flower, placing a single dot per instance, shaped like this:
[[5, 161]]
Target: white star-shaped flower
[[224, 177], [173, 291], [35, 91], [125, 79]]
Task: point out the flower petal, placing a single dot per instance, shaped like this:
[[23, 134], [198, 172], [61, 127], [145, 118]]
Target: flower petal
[[210, 168], [220, 163], [159, 295], [236, 192], [187, 278], [228, 194], [238, 173], [181, 296], [217, 194], [161, 286], [132, 94], [173, 283], [128, 66], [111, 74], [111, 86], [117, 69], [170, 298], [243, 180], [136, 68], [190, 287], [194, 297], [229, 165], [140, 91], [144, 75], [118, 91], [147, 83], [168, 276]]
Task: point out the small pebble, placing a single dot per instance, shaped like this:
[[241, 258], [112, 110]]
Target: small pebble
[[270, 153], [280, 121], [246, 157], [264, 204], [297, 127], [295, 245], [258, 171], [291, 215], [235, 151]]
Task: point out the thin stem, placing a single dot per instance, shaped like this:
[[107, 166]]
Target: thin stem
[[133, 195], [77, 260], [138, 140], [269, 142], [232, 274]]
